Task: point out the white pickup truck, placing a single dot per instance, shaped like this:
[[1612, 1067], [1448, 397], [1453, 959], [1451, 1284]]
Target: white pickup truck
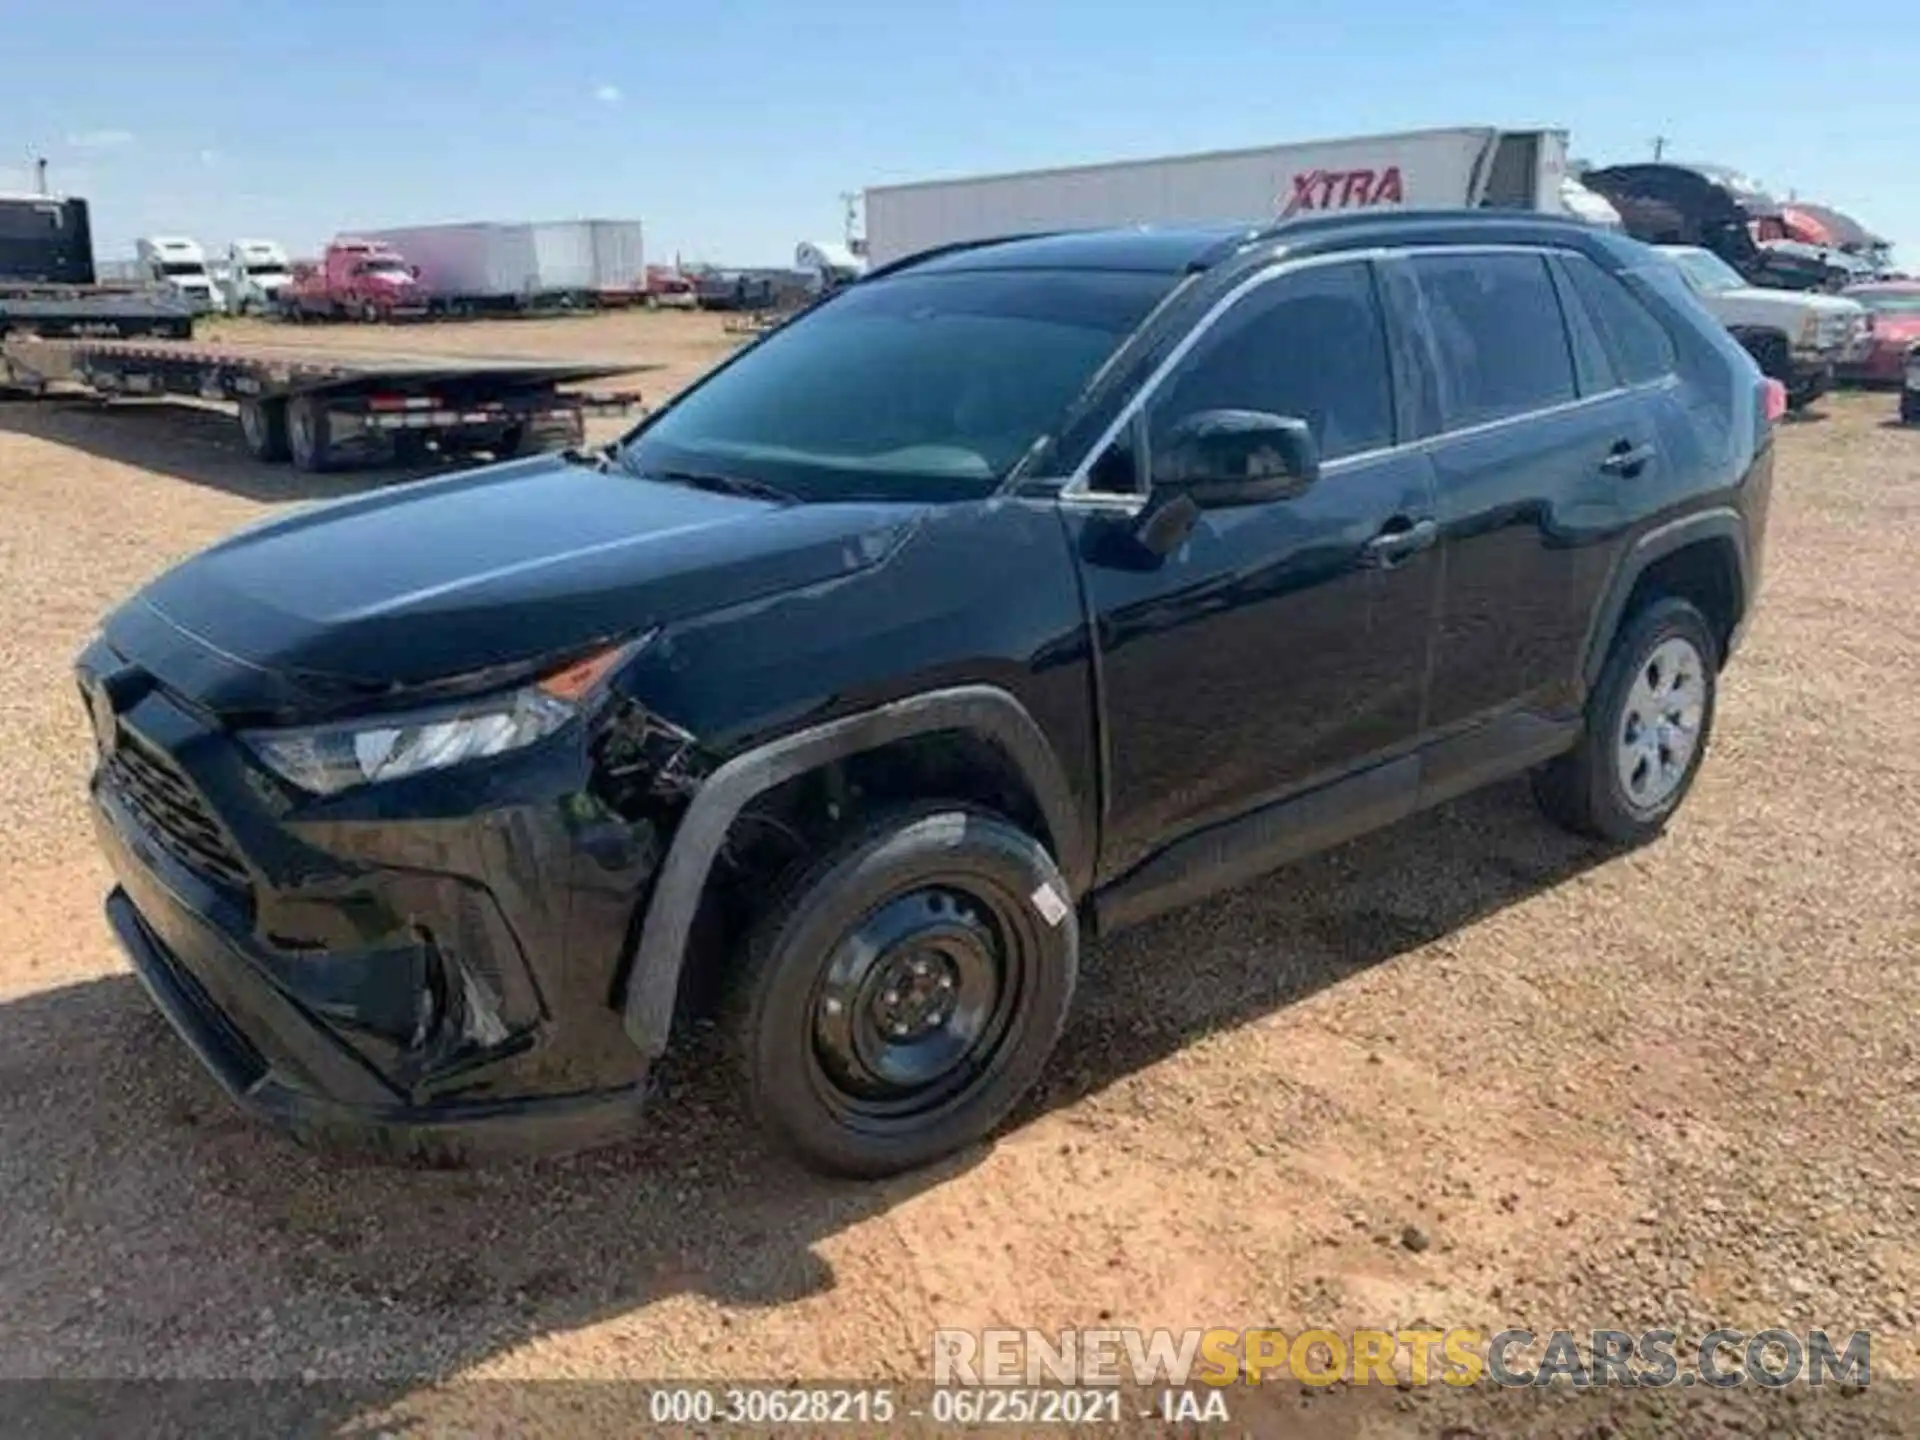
[[1798, 336]]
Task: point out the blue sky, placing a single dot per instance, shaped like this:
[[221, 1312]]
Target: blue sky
[[732, 128]]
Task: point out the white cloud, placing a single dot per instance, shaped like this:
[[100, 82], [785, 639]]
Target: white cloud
[[607, 94], [209, 158], [99, 139]]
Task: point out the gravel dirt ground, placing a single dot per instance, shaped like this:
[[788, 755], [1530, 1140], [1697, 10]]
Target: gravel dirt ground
[[1468, 1071]]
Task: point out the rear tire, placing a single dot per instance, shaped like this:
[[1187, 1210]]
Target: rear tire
[[1910, 407], [905, 993], [310, 435], [1648, 722], [263, 425]]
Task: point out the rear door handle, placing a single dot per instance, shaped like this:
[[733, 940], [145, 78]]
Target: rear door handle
[[1627, 459], [1399, 540]]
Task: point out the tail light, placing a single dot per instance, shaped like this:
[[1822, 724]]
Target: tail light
[[1776, 399]]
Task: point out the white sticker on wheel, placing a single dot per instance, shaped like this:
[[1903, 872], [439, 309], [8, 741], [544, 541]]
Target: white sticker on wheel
[[1047, 901]]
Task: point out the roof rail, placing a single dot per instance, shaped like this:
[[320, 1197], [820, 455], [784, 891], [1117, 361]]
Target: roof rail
[[1479, 215]]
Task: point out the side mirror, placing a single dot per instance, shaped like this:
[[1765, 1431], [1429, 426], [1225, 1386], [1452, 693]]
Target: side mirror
[[1219, 458]]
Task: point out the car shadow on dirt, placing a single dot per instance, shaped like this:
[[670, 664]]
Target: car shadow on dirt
[[152, 1230], [194, 443]]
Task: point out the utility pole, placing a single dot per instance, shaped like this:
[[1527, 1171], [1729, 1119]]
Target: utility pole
[[1659, 147]]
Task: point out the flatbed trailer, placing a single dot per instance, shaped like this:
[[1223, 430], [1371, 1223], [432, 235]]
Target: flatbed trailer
[[321, 409]]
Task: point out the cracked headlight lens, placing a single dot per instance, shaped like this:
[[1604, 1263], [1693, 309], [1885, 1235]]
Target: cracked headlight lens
[[327, 759]]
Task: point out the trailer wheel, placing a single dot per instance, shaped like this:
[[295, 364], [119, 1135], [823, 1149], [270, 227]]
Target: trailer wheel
[[309, 434], [263, 424]]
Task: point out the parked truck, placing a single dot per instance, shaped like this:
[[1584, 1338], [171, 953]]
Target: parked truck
[[357, 278], [1464, 166], [320, 409], [178, 264], [45, 240], [257, 271], [484, 267], [1801, 338]]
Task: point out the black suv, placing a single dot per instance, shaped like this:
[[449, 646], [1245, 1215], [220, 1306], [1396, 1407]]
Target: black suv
[[1017, 591]]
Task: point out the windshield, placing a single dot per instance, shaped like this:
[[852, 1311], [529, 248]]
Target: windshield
[[1888, 302], [265, 269], [389, 266], [1707, 271], [190, 269], [918, 387]]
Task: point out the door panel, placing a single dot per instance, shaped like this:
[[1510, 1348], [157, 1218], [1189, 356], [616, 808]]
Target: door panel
[[1264, 655], [1527, 478], [1270, 650], [1524, 512]]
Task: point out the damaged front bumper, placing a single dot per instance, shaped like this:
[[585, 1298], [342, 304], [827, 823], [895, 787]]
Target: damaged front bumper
[[427, 964]]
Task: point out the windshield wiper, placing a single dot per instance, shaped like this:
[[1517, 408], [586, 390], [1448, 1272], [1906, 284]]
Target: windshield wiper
[[723, 484]]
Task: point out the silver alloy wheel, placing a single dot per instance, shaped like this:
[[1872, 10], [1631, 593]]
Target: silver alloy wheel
[[1660, 724]]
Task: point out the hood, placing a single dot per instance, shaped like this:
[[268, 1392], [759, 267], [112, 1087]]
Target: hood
[[356, 602], [1797, 302]]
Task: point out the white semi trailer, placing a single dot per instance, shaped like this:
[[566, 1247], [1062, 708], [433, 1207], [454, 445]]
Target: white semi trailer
[[1465, 166]]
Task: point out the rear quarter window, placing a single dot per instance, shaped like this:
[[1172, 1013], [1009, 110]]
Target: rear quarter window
[[1501, 343], [1637, 343]]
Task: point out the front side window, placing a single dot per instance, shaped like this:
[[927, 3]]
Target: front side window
[[1309, 346], [913, 387], [1502, 344]]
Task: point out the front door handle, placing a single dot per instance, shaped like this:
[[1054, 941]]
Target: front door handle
[[1627, 459], [1398, 541]]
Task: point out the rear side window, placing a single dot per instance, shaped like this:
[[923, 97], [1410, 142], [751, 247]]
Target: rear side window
[[1309, 345], [1637, 343], [1502, 343]]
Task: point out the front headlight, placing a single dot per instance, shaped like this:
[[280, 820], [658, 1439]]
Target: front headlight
[[1810, 330], [327, 759]]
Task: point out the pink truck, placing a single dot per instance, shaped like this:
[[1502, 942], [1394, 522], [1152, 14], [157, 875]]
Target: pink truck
[[355, 280]]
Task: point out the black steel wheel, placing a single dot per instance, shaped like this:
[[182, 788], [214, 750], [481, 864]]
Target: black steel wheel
[[263, 425], [907, 991]]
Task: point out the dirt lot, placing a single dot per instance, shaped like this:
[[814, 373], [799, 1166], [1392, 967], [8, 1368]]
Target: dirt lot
[[1468, 1072]]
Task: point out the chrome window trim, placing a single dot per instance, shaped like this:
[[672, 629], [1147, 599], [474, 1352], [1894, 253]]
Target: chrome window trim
[[1074, 488]]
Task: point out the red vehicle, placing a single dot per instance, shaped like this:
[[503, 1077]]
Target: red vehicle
[[357, 280], [665, 286], [1895, 306]]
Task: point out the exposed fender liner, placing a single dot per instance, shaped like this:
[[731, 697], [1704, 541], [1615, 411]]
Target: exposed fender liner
[[1720, 523], [653, 983]]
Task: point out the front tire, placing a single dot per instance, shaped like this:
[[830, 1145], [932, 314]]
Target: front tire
[[905, 993], [1647, 726], [1910, 407]]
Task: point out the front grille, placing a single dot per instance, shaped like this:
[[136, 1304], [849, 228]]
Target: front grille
[[173, 813]]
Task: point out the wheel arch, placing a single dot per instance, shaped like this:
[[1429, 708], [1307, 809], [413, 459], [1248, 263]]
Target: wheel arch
[[1757, 338], [983, 712], [1702, 557]]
